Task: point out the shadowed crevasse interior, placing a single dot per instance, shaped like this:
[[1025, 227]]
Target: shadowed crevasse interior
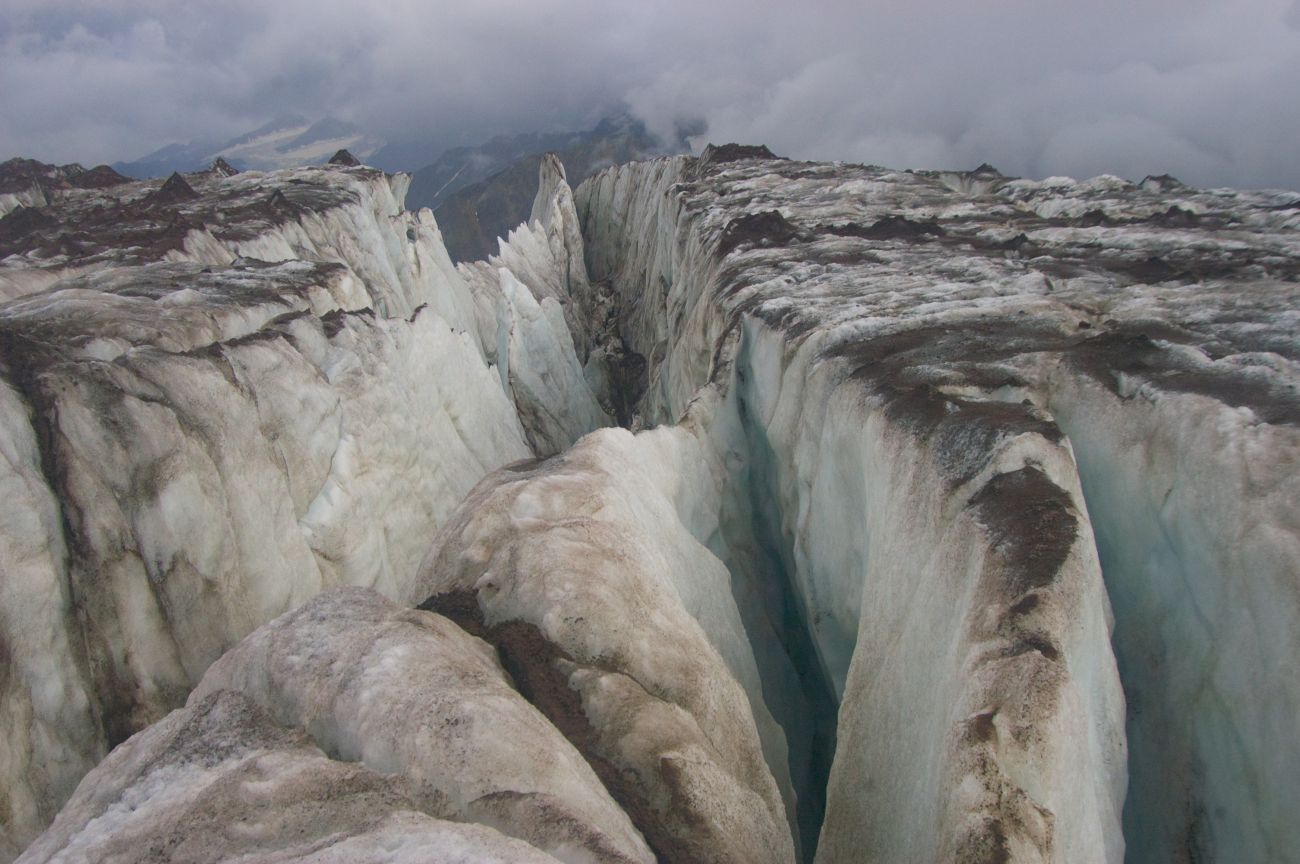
[[808, 714]]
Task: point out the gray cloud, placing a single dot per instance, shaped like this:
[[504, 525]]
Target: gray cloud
[[1203, 89]]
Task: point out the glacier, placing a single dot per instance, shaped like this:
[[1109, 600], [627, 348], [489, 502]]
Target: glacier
[[952, 517]]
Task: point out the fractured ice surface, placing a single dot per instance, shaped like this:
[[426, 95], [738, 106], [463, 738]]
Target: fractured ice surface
[[216, 406], [918, 360], [531, 298], [956, 520], [409, 693]]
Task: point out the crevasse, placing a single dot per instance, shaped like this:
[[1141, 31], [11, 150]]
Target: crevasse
[[907, 454], [865, 511]]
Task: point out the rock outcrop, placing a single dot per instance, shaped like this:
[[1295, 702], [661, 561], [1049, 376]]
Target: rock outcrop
[[28, 183]]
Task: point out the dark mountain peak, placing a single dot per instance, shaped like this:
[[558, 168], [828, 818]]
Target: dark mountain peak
[[716, 154], [19, 173], [343, 157], [222, 168], [986, 168], [18, 164], [174, 191], [1161, 183], [99, 177]]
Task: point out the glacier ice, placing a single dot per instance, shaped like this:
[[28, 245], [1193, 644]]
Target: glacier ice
[[907, 351], [1196, 530], [408, 693], [582, 573], [955, 520], [876, 533], [206, 440], [220, 779]]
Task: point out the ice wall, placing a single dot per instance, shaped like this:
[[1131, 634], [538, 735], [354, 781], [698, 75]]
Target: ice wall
[[915, 380], [1199, 541], [901, 444], [938, 698], [206, 429], [620, 625], [535, 319]]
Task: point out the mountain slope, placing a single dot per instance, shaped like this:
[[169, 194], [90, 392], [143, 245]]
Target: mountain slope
[[479, 194], [286, 142]]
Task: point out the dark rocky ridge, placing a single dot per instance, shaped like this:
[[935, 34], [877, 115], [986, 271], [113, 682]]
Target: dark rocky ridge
[[143, 221], [20, 174]]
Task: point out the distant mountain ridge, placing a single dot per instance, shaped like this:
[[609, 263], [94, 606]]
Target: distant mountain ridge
[[288, 141], [480, 193], [477, 193]]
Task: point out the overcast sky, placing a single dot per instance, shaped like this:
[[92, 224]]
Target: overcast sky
[[1208, 91]]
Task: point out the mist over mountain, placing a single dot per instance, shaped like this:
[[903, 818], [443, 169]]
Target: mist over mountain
[[285, 142], [1200, 89], [479, 193]]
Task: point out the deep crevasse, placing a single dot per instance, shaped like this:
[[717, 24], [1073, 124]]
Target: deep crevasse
[[203, 441], [1196, 537], [865, 515], [880, 526], [337, 443], [860, 525]]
